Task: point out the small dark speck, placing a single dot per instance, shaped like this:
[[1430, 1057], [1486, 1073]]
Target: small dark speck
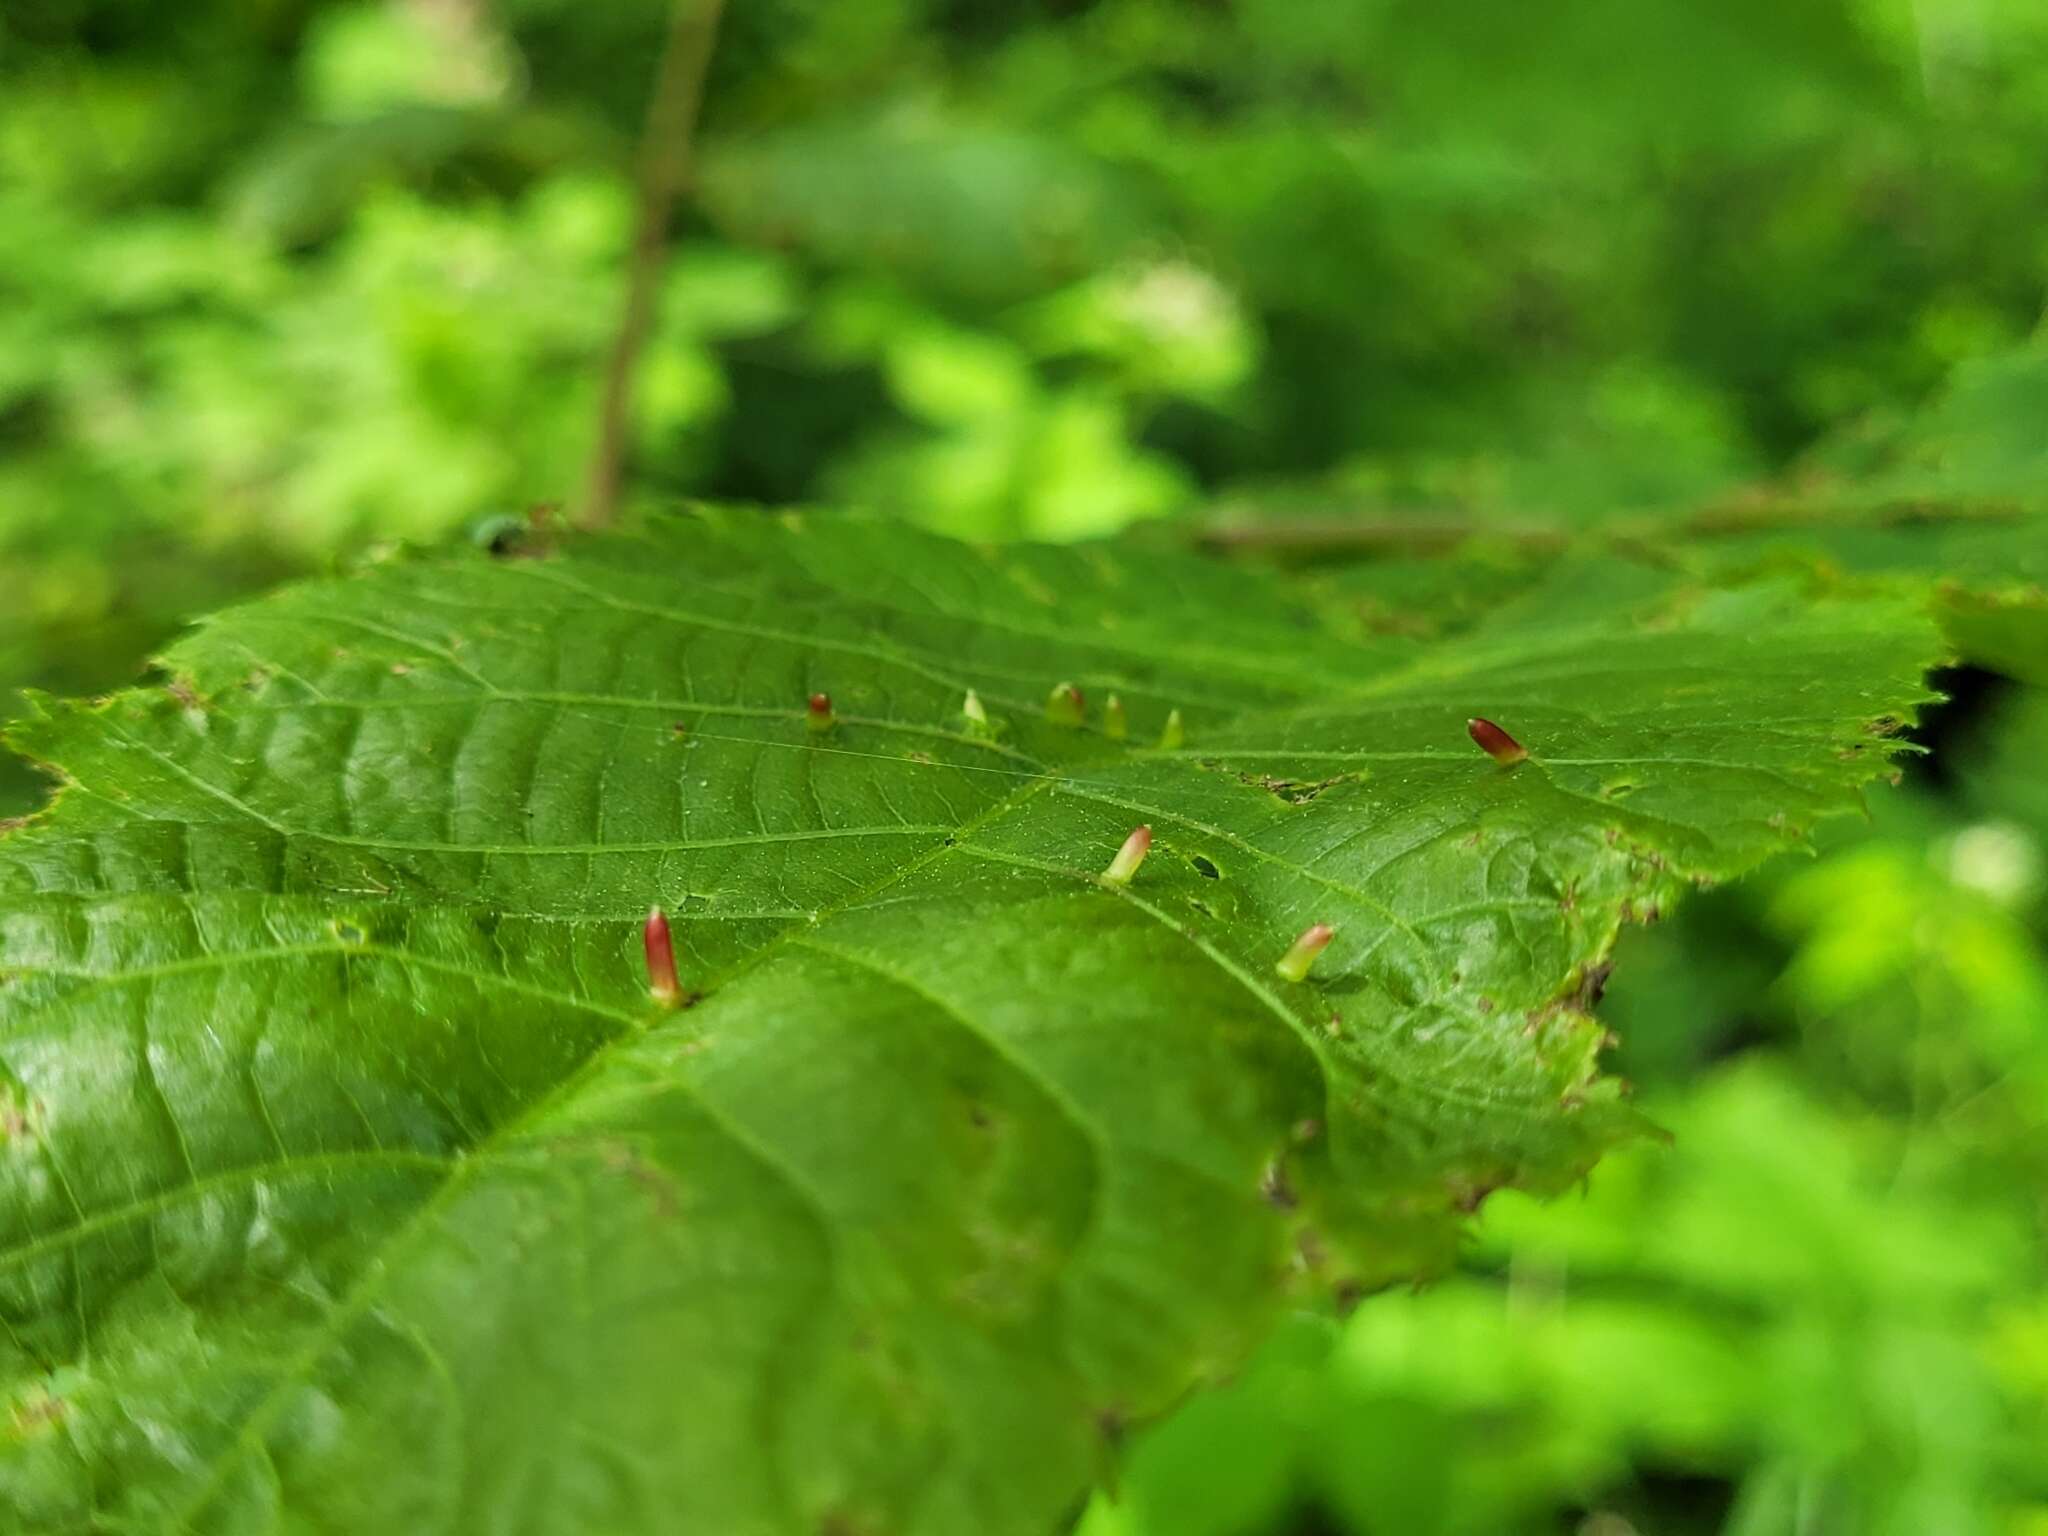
[[1593, 985], [1469, 1197], [1275, 1190]]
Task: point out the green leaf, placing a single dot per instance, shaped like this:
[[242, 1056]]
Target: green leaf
[[352, 1182]]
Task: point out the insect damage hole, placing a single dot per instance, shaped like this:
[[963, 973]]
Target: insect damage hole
[[1204, 866]]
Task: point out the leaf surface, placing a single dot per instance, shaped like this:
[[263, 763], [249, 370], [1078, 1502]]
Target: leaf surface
[[352, 1182]]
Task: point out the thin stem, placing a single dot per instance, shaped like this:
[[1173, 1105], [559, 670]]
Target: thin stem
[[667, 159]]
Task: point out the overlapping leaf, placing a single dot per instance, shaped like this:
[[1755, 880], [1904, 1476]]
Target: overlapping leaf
[[350, 1182]]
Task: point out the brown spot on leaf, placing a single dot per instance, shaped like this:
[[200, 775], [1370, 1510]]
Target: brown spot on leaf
[[18, 1120], [1293, 791], [1593, 985], [39, 1411], [1469, 1194], [656, 1182]]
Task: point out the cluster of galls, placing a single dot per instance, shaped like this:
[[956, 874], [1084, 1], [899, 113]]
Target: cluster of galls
[[1065, 707]]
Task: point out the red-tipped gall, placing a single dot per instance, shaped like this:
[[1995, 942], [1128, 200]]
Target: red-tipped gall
[[1115, 724], [662, 981], [1293, 966], [818, 714], [1124, 867], [1496, 743], [1064, 705], [1173, 735]]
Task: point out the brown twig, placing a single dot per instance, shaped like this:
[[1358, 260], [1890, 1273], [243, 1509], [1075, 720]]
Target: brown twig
[[667, 158]]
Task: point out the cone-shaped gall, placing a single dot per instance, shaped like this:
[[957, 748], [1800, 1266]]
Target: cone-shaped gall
[[1294, 965], [1124, 867], [1496, 743], [662, 981]]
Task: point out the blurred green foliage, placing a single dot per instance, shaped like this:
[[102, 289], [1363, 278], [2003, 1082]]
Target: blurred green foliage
[[1819, 1309], [280, 276], [280, 279]]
